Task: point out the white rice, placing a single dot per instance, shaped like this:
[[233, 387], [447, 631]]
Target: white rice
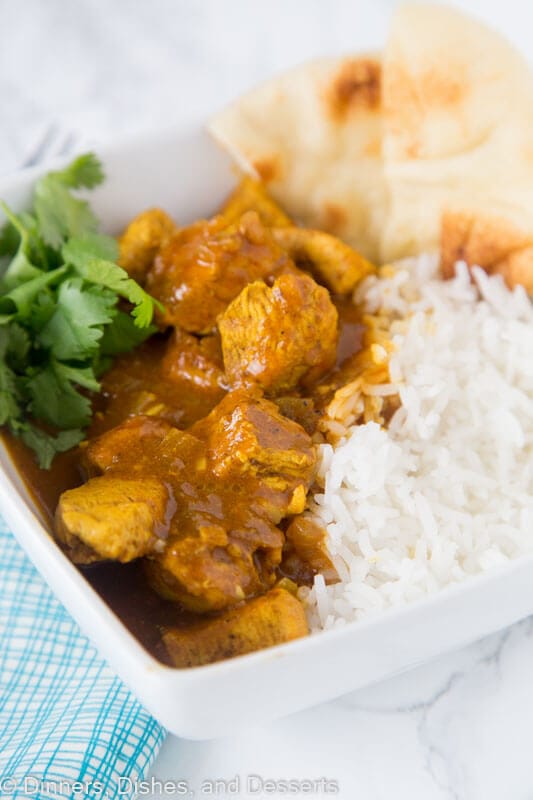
[[447, 490]]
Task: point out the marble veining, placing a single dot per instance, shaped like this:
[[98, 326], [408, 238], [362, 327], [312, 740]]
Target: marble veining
[[458, 727], [73, 75]]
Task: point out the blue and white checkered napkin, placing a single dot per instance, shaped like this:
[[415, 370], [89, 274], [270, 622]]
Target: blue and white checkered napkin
[[66, 722]]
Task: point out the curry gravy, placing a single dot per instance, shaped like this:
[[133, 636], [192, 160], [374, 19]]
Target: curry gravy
[[124, 587]]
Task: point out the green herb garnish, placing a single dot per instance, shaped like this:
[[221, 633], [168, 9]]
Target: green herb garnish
[[60, 321]]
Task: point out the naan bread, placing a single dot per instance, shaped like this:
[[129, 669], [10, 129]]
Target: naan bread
[[314, 137], [457, 142], [449, 83], [431, 148]]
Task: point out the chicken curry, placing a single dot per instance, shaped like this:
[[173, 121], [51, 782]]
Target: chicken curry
[[185, 507]]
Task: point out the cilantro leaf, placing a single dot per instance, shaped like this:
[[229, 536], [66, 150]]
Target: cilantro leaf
[[42, 310], [82, 376], [60, 324], [122, 335], [81, 249], [85, 171], [8, 394], [60, 214], [20, 298], [76, 326], [46, 446], [54, 400], [18, 346], [104, 273], [8, 383], [21, 267], [9, 239]]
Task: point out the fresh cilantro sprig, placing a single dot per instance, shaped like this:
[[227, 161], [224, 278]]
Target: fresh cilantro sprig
[[66, 309]]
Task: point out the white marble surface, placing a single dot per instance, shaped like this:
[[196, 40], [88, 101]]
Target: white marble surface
[[459, 727], [73, 73]]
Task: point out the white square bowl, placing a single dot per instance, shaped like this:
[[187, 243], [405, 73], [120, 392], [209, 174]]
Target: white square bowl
[[183, 171]]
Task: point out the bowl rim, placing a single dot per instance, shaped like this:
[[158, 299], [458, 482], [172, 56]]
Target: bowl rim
[[46, 554]]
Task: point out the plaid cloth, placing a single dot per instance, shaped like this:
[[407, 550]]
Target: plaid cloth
[[68, 727]]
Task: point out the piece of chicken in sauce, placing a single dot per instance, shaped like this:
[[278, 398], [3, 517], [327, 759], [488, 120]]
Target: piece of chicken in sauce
[[226, 471], [305, 553], [271, 619], [195, 367], [142, 240], [231, 479], [280, 336], [119, 518], [205, 266]]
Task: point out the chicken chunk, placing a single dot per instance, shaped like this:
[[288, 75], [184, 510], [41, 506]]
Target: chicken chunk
[[213, 561], [281, 336], [330, 261], [141, 241], [305, 554], [125, 445], [206, 265], [119, 518], [247, 436], [272, 619], [196, 365], [231, 478], [224, 545], [144, 446], [251, 195]]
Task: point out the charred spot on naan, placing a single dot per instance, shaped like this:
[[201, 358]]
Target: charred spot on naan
[[355, 86], [402, 108], [488, 241], [442, 90], [409, 99]]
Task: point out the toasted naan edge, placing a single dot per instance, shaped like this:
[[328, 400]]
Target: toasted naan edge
[[457, 142], [499, 242], [313, 135]]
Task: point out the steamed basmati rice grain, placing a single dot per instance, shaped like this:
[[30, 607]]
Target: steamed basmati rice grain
[[446, 491]]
